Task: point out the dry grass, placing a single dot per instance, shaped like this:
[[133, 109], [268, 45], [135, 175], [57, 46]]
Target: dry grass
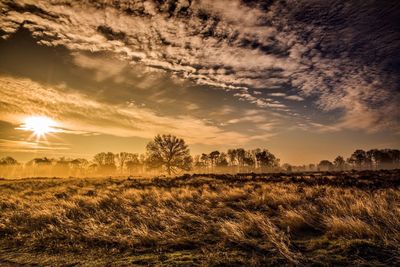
[[196, 221]]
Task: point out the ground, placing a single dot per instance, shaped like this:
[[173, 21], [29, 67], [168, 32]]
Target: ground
[[341, 218]]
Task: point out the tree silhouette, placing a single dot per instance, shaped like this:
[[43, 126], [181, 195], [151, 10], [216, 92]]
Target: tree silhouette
[[232, 155], [241, 155], [169, 152], [325, 165], [339, 163], [381, 158], [287, 167], [105, 161], [8, 161], [204, 159], [122, 157], [358, 158], [213, 157], [248, 159], [99, 158], [266, 158], [221, 160], [132, 162], [40, 161]]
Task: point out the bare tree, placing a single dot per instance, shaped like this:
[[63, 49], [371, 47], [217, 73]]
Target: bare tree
[[99, 158], [133, 163], [122, 158], [169, 152], [105, 161]]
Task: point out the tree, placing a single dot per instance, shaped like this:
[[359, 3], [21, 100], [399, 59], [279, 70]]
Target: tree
[[287, 167], [213, 157], [110, 160], [62, 165], [311, 167], [132, 162], [241, 155], [122, 157], [395, 155], [105, 161], [221, 160], [266, 159], [79, 165], [248, 159], [169, 152], [8, 161], [339, 163], [40, 162], [99, 158], [325, 165], [383, 158], [358, 158], [204, 159], [232, 155]]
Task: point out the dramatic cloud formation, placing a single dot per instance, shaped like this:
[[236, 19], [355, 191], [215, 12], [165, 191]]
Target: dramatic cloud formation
[[323, 66], [313, 49]]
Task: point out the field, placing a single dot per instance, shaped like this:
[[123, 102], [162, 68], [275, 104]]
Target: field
[[340, 218]]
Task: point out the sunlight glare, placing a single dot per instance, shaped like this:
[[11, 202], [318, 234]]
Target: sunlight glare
[[39, 125]]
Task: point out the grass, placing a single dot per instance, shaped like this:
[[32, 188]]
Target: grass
[[200, 220]]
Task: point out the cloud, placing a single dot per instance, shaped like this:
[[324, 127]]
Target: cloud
[[260, 102], [104, 68], [80, 114], [277, 94], [289, 97], [327, 51], [31, 146], [192, 106], [294, 97], [193, 41]]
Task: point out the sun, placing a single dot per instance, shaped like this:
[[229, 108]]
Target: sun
[[39, 125]]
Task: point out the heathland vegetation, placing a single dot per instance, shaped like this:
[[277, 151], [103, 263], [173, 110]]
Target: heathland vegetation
[[310, 219], [170, 155]]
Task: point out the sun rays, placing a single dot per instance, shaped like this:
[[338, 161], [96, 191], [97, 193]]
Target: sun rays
[[39, 126]]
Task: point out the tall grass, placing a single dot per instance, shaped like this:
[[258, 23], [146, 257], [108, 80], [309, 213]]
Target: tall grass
[[195, 221]]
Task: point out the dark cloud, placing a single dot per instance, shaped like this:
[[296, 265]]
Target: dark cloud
[[110, 34], [366, 31]]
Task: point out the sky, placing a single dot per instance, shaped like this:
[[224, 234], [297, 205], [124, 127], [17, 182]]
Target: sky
[[308, 80]]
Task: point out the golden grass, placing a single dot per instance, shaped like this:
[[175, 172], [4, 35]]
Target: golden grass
[[197, 221]]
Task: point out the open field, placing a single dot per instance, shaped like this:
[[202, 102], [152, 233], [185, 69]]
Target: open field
[[350, 218]]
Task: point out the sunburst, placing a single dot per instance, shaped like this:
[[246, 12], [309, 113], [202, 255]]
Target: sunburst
[[39, 126]]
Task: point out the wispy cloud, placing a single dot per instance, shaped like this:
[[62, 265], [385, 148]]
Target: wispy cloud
[[31, 146], [289, 97], [79, 114], [259, 101]]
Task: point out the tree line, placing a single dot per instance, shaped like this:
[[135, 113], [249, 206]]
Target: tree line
[[360, 159], [171, 155]]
